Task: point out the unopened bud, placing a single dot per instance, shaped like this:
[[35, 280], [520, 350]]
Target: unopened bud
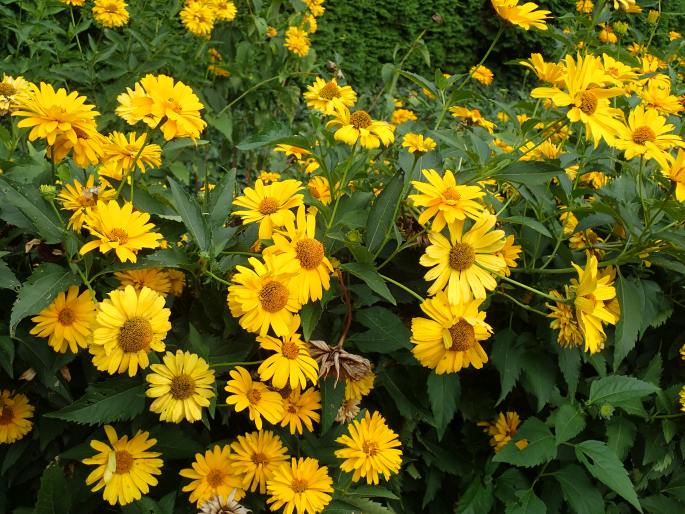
[[48, 192], [606, 411]]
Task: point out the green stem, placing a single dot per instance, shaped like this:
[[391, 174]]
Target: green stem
[[339, 193], [249, 254], [521, 285], [234, 364], [135, 161], [403, 287], [487, 54], [521, 304], [256, 86], [85, 280], [218, 279]]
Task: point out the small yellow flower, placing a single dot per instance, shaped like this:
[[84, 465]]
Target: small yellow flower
[[244, 393], [502, 430], [482, 74], [110, 13], [15, 416], [297, 41], [417, 143]]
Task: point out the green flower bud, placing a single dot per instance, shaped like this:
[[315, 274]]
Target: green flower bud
[[606, 411], [48, 192]]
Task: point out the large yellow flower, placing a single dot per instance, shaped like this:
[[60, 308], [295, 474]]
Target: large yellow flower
[[213, 474], [87, 150], [464, 263], [291, 363], [255, 457], [675, 170], [300, 484], [657, 95], [11, 90], [125, 469], [524, 16], [129, 324], [318, 187], [371, 449], [357, 389], [545, 71], [198, 18], [244, 393], [299, 408], [15, 416], [502, 430], [122, 151], [449, 339], [181, 386], [119, 229], [325, 96], [224, 10], [80, 198], [154, 278], [269, 205], [359, 126], [110, 13], [67, 321]]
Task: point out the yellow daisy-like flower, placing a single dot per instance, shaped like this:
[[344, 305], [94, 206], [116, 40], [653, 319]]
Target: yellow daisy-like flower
[[213, 474], [75, 3], [607, 34], [564, 321], [301, 484], [80, 198], [618, 71], [675, 170], [129, 324], [198, 18], [12, 89], [244, 393], [291, 363], [269, 205], [122, 151], [125, 468], [67, 321], [269, 176], [255, 457], [299, 408], [533, 151], [315, 7], [400, 116], [297, 41], [510, 253], [464, 263], [15, 416], [181, 387], [177, 279], [110, 13], [585, 6], [482, 74], [682, 399], [224, 10], [629, 6], [298, 242], [359, 126], [450, 340], [357, 389], [371, 449], [325, 96], [524, 16], [445, 201], [417, 143], [290, 150], [502, 430], [86, 150], [154, 278], [271, 32], [119, 229], [657, 95], [318, 187], [545, 71], [472, 117]]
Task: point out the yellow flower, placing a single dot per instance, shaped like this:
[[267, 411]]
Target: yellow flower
[[125, 468], [629, 6], [110, 13], [218, 71], [297, 41], [524, 16], [674, 36], [464, 263], [119, 229], [271, 32], [510, 253], [545, 71], [318, 187], [80, 198], [12, 89], [616, 70], [569, 222], [75, 3], [449, 340], [122, 151], [288, 150], [539, 152], [213, 474], [198, 18], [299, 408], [417, 143], [67, 321], [584, 6], [359, 126], [326, 96], [675, 170], [682, 399], [502, 430], [269, 176], [269, 205], [370, 450], [400, 116], [606, 34], [154, 278], [224, 10], [564, 321], [357, 389], [481, 74], [316, 8], [290, 365], [472, 117], [657, 95], [300, 484], [244, 393], [15, 415], [181, 387], [255, 457], [177, 279], [129, 324]]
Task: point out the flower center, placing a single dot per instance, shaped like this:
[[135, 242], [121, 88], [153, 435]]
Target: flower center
[[6, 415], [124, 462], [643, 134], [182, 387], [273, 296], [299, 486], [370, 448], [119, 235], [588, 102], [268, 205], [259, 458], [292, 408], [215, 478], [290, 350], [330, 91], [7, 89], [451, 194], [309, 253], [89, 197], [462, 256], [254, 396], [66, 316], [360, 119], [135, 335], [463, 336]]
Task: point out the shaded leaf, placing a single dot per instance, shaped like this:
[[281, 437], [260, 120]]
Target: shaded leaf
[[189, 210], [629, 294], [617, 390], [444, 392], [578, 491], [371, 277], [541, 445], [382, 216], [569, 421]]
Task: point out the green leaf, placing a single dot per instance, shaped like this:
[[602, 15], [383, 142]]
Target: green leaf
[[53, 495], [222, 122], [7, 355], [621, 435], [221, 200], [541, 446], [365, 505], [143, 506], [528, 503], [507, 356], [332, 395], [8, 279], [444, 392], [189, 210], [382, 216], [540, 377], [476, 499], [605, 466], [35, 208], [578, 492], [175, 442], [371, 277], [41, 288], [310, 315], [529, 222], [569, 421], [618, 389], [629, 295], [569, 364], [529, 173], [386, 333], [116, 399], [372, 491]]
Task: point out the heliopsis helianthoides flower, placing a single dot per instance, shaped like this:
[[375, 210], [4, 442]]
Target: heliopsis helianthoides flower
[[75, 3], [325, 96], [370, 450], [245, 393], [357, 389], [265, 296], [315, 7], [291, 363], [675, 170], [471, 117], [177, 279], [86, 150], [400, 116], [154, 278], [198, 18], [122, 152], [450, 340], [255, 457], [128, 325], [564, 321], [67, 321], [510, 253], [545, 71], [300, 408], [15, 416], [417, 143], [482, 74], [110, 13], [629, 6], [80, 198], [586, 97], [125, 468], [464, 263], [607, 34], [11, 90], [297, 41], [181, 387], [524, 16], [119, 229], [584, 6], [224, 10], [269, 176], [298, 242], [359, 126], [682, 399], [223, 505], [318, 187], [647, 135], [657, 95], [502, 430], [533, 151], [618, 71], [212, 474], [301, 486], [269, 205]]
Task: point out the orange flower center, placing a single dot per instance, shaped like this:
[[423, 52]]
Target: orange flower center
[[463, 336], [6, 415], [309, 252], [292, 408], [588, 102], [259, 458], [451, 194], [119, 235], [7, 89], [215, 478], [643, 134], [330, 91], [182, 387], [124, 462], [299, 486], [273, 296], [268, 205], [462, 256], [254, 396], [370, 448], [290, 350], [360, 119], [135, 335], [66, 316]]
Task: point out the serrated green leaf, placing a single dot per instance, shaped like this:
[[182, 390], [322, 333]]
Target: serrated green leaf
[[7, 355], [143, 506], [569, 364], [529, 222], [386, 331], [189, 210], [371, 278], [541, 445], [310, 315], [221, 199], [332, 395], [365, 505], [529, 173], [528, 503], [35, 208], [382, 216], [507, 356], [175, 442], [578, 492], [569, 421], [444, 392], [53, 496], [477, 498], [540, 377], [629, 294], [8, 279], [617, 390]]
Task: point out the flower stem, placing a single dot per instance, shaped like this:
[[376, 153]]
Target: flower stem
[[218, 279], [403, 287], [234, 364]]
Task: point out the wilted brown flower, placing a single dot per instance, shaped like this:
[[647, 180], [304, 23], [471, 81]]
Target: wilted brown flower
[[334, 361], [347, 411]]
